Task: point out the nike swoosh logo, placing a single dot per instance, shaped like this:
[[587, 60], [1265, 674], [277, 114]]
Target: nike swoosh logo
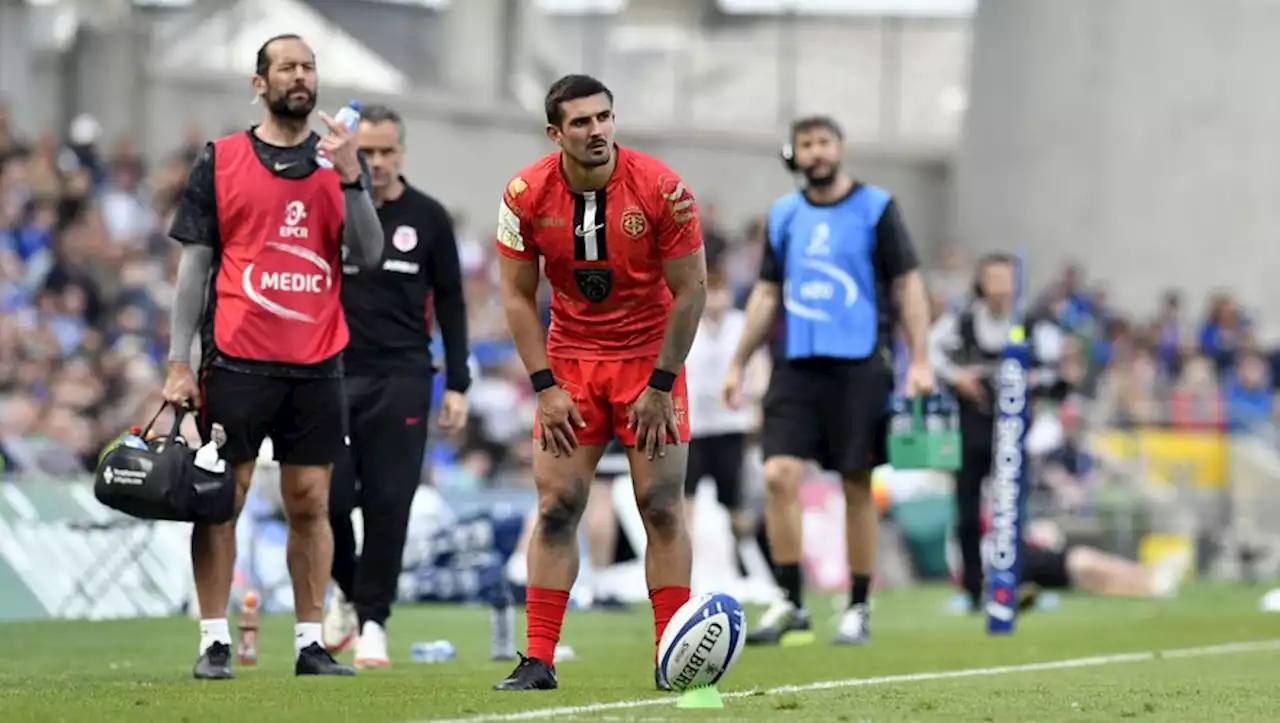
[[584, 231], [284, 166]]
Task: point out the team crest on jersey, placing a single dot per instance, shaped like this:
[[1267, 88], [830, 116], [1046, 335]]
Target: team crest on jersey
[[516, 187], [294, 213], [595, 283], [633, 222], [405, 239]]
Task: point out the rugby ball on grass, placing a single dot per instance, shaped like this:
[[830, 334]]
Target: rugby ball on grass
[[702, 641]]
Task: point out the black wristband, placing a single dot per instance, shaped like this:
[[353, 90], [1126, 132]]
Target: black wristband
[[662, 380], [356, 185], [542, 379]]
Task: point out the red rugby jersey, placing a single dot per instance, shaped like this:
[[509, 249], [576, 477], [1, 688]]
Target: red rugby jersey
[[276, 294], [602, 251]]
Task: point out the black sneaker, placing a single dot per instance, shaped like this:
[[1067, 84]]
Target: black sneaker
[[660, 682], [214, 663], [315, 660], [782, 617], [610, 604], [1028, 596], [530, 674]]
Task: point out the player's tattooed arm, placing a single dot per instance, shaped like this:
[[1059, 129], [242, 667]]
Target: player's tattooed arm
[[519, 282], [687, 278], [189, 300], [195, 226]]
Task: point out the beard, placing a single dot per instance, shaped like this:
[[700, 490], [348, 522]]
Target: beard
[[284, 106], [587, 159], [590, 156], [592, 162], [822, 175]]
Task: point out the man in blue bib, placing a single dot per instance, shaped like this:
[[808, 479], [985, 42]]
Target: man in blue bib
[[842, 271]]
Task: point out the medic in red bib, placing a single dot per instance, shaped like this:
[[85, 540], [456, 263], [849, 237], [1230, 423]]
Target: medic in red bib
[[267, 219]]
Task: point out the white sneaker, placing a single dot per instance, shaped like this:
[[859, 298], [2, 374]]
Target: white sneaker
[[340, 623], [855, 626], [1167, 576], [371, 649], [780, 618]]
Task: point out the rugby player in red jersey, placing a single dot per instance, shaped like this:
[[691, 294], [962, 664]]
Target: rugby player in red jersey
[[618, 236]]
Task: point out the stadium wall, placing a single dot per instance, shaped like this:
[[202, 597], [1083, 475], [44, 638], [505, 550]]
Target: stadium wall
[[465, 154], [1137, 136]]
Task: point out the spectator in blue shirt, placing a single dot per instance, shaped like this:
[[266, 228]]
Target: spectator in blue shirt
[[1249, 398], [1223, 331], [1168, 325]]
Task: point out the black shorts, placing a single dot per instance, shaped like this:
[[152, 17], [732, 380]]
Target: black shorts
[[389, 417], [306, 419], [719, 457], [833, 412], [1046, 568]]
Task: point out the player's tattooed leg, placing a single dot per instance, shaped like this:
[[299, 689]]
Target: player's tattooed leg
[[563, 484], [659, 490], [559, 513]]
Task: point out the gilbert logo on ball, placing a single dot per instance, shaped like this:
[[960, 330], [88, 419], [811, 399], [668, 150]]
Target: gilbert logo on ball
[[702, 641]]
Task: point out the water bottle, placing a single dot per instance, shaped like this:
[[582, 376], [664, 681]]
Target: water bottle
[[901, 423], [933, 419], [248, 624], [435, 651], [952, 409], [125, 440], [349, 116], [502, 625]]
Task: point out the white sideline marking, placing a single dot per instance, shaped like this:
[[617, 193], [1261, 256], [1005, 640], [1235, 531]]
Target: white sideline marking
[[1092, 662]]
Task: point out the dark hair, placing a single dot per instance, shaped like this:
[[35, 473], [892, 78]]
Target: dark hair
[[813, 123], [572, 87], [264, 55], [379, 113], [984, 263]]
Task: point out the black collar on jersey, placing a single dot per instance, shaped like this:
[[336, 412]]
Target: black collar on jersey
[[404, 189], [852, 190], [288, 162]]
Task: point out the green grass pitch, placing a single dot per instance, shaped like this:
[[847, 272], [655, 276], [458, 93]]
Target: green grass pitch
[[1124, 660]]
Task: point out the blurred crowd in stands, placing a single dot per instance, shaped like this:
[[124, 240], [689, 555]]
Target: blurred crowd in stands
[[85, 288]]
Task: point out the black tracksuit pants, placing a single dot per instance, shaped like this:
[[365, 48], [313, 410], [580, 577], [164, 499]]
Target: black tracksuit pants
[[977, 434], [388, 423]]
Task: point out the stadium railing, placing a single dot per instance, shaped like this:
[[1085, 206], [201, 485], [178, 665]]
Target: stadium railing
[[1167, 482]]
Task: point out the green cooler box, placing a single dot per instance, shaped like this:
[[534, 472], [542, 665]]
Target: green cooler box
[[924, 433]]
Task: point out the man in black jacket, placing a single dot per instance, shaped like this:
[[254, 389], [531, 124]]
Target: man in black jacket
[[965, 349], [389, 386]]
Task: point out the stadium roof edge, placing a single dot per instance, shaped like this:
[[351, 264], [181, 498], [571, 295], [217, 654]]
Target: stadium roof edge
[[227, 42], [445, 106], [903, 8]]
